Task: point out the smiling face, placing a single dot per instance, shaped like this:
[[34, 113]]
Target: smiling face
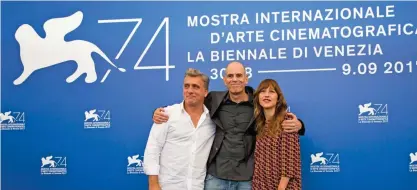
[[194, 91], [235, 78], [269, 95], [268, 98]]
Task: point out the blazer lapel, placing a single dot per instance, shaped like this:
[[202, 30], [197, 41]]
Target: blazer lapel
[[217, 100], [250, 123]]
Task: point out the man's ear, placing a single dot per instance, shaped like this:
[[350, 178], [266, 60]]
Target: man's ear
[[246, 79], [224, 79]]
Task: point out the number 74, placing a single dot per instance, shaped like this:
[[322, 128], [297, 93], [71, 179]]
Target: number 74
[[138, 21]]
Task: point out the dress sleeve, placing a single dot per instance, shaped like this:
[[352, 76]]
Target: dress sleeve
[[290, 158]]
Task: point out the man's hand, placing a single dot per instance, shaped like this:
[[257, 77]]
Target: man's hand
[[159, 116], [291, 124], [154, 183], [154, 187]]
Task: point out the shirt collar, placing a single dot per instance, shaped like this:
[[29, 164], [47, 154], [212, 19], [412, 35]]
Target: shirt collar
[[206, 111], [248, 91]]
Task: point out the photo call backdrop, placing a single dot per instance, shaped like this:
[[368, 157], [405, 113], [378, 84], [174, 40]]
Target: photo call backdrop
[[80, 82]]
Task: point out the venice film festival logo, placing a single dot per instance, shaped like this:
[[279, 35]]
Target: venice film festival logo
[[373, 113], [413, 162], [12, 120], [54, 165], [328, 162], [38, 53], [134, 165], [97, 119]]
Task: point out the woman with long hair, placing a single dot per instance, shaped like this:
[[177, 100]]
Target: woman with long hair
[[277, 153]]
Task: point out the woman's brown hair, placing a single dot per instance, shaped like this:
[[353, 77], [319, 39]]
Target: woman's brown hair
[[274, 128]]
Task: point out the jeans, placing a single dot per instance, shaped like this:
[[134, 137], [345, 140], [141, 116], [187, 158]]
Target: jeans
[[213, 183]]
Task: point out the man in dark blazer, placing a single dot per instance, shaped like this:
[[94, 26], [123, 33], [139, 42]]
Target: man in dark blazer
[[231, 161]]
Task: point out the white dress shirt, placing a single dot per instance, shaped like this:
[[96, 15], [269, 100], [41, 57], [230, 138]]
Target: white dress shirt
[[177, 151]]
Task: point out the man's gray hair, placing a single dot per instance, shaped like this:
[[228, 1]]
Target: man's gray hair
[[196, 73]]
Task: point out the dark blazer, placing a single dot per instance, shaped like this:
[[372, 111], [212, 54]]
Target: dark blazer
[[213, 101]]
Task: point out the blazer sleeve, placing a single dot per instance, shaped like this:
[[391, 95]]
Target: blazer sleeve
[[208, 100], [302, 131]]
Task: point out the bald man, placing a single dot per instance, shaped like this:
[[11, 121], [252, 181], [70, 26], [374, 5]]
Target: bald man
[[231, 161]]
